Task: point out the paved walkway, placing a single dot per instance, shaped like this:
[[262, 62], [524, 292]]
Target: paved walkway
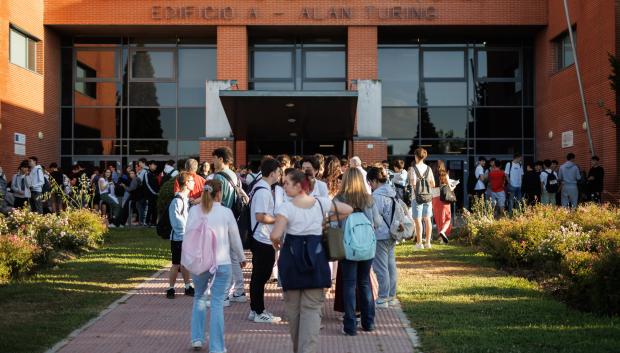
[[148, 322]]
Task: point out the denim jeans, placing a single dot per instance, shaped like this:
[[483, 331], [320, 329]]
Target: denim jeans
[[570, 195], [235, 284], [514, 193], [356, 274], [199, 312], [384, 265]]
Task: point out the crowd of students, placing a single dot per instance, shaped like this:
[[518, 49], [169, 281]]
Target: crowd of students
[[546, 182]]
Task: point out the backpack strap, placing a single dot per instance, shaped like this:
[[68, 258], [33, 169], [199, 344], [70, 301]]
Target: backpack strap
[[235, 187], [336, 211], [393, 209], [417, 172]]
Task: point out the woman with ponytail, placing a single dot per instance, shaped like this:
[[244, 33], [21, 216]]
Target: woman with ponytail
[[303, 263], [224, 225]]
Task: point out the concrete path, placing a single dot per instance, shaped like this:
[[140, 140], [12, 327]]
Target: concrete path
[[148, 322]]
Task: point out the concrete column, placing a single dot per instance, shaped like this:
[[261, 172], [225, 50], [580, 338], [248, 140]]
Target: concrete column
[[217, 125], [369, 109]]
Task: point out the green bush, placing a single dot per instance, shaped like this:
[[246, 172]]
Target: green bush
[[17, 255], [86, 225], [578, 249]]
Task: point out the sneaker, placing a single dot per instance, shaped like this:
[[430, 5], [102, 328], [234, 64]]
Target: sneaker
[[121, 226], [369, 329], [444, 238], [428, 246], [419, 246], [196, 345], [239, 298], [189, 291], [393, 302], [170, 293], [267, 318], [382, 304], [251, 315], [348, 334], [111, 225]]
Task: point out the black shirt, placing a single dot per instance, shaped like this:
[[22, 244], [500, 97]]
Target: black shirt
[[596, 185]]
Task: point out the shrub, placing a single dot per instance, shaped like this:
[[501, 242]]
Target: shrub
[[87, 225], [17, 256]]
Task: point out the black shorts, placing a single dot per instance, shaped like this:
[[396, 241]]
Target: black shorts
[[175, 247]]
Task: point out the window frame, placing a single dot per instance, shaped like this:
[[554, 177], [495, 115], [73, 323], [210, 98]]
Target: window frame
[[560, 43], [133, 50], [29, 38]]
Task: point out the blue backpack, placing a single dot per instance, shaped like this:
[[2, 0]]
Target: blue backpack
[[360, 241]]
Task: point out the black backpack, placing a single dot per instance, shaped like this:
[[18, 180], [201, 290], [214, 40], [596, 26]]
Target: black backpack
[[246, 231], [551, 187], [167, 176], [164, 227], [248, 187], [422, 186]]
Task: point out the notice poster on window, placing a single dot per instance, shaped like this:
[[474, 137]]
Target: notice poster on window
[[20, 144], [567, 139]]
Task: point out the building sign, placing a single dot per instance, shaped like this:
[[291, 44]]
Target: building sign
[[567, 139], [169, 13], [19, 144]]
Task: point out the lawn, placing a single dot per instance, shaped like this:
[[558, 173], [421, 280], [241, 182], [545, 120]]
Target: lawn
[[44, 309], [458, 302]]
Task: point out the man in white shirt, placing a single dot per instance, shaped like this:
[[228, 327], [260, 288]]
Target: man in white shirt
[[514, 174], [356, 162], [37, 179], [262, 209], [480, 188]]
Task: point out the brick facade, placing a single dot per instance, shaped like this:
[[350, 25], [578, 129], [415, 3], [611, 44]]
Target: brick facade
[[370, 151], [208, 146]]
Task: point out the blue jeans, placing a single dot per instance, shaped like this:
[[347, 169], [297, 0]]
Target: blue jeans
[[356, 274], [199, 312], [384, 265], [513, 193]]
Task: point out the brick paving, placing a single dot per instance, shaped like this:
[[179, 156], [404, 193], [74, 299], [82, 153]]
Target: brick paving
[[148, 322]]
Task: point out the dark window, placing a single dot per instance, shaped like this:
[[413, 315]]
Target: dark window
[[97, 147], [325, 64], [498, 93], [152, 94], [66, 122], [146, 147], [66, 72], [444, 122], [65, 147], [152, 64], [444, 146], [507, 147], [400, 123], [82, 72], [401, 147], [191, 123], [196, 66], [443, 94], [97, 123], [528, 123], [498, 122], [399, 74], [498, 64], [564, 51], [23, 49], [152, 123]]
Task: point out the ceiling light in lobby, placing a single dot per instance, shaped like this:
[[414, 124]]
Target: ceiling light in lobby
[[292, 120], [292, 134], [289, 105]]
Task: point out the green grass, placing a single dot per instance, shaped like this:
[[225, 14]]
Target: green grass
[[458, 302], [45, 308]]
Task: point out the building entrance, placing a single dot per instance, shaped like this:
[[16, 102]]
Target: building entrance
[[258, 148]]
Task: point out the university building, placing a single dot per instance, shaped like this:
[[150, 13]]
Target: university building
[[102, 81]]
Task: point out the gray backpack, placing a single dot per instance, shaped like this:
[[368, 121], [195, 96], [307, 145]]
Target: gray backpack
[[422, 186]]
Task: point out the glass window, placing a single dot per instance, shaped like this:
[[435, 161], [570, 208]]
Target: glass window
[[498, 93], [444, 122], [273, 64], [22, 49], [97, 123], [444, 64], [273, 86], [325, 86], [96, 64], [152, 123], [152, 94], [192, 122], [189, 148], [443, 94], [66, 147], [97, 94], [196, 66], [152, 64], [66, 122], [498, 122], [489, 147], [66, 71], [399, 75], [400, 123], [146, 147], [325, 64], [528, 123], [498, 64], [401, 147], [564, 50], [444, 146], [97, 147]]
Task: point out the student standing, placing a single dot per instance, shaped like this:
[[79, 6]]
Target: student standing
[[37, 179], [514, 174], [224, 225], [549, 184], [569, 175], [479, 173], [178, 213], [20, 185], [262, 214], [497, 180], [151, 191], [595, 180], [422, 211]]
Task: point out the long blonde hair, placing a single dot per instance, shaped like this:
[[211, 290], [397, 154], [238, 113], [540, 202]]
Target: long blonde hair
[[212, 187], [353, 190]]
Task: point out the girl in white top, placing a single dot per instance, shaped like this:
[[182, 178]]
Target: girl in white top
[[106, 190], [223, 223], [302, 216], [311, 166]]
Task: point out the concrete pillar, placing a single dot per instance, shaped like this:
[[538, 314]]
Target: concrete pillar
[[369, 108], [217, 125]]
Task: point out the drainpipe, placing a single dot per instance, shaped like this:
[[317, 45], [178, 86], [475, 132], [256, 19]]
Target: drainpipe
[[583, 97]]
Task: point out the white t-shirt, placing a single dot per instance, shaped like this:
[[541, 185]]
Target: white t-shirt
[[544, 175], [515, 174], [305, 221], [262, 202], [368, 188], [479, 172], [320, 189], [280, 196], [224, 225], [422, 169]]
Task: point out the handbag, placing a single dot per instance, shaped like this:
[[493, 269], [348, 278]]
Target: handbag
[[333, 238], [446, 194], [303, 264]]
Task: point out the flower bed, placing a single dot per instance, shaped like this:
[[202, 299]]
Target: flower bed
[[577, 253], [28, 239]]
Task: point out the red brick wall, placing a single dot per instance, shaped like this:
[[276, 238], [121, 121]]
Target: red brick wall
[[362, 53], [29, 100], [558, 104], [232, 54], [207, 147], [377, 152]]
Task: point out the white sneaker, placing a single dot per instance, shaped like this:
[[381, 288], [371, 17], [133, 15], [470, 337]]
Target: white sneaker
[[428, 246], [419, 246], [121, 226], [267, 318], [239, 298], [252, 315], [382, 304], [392, 302], [196, 345], [111, 225]]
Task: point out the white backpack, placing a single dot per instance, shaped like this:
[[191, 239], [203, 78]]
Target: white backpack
[[401, 224], [198, 253]]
